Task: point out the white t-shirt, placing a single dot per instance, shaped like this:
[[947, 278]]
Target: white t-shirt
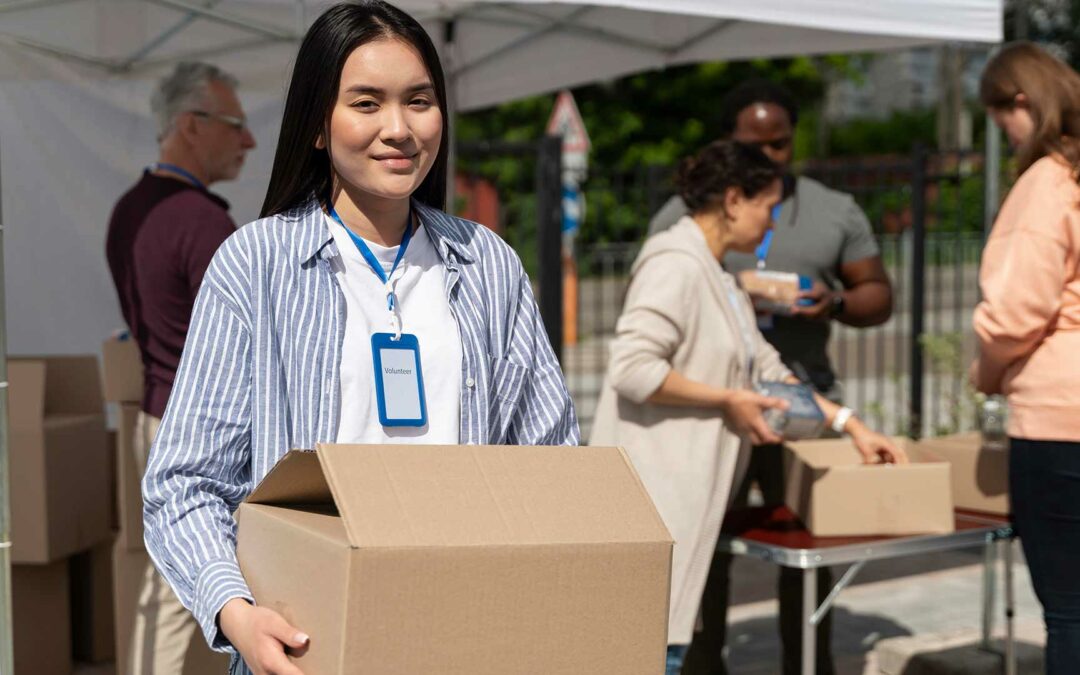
[[420, 285]]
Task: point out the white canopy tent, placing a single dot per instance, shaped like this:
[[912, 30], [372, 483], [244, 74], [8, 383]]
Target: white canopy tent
[[76, 76]]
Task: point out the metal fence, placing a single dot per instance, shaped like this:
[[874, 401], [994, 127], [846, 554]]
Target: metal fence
[[906, 376]]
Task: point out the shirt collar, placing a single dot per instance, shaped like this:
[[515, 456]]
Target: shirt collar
[[320, 241]]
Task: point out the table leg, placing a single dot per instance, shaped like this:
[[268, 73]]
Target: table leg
[[989, 592], [1007, 545], [809, 629]]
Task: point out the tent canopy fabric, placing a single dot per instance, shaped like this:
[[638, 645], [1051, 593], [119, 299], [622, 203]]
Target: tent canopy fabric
[[76, 78], [499, 51]]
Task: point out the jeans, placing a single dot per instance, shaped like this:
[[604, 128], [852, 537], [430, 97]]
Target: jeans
[[706, 654], [675, 655], [1044, 484]]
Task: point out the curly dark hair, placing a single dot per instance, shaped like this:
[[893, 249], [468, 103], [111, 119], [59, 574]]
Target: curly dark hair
[[750, 92], [703, 178]]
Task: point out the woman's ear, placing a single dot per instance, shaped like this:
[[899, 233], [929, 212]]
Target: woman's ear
[[733, 201], [320, 142], [1021, 101]]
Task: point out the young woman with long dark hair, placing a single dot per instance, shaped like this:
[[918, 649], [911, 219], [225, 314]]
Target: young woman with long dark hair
[[354, 311]]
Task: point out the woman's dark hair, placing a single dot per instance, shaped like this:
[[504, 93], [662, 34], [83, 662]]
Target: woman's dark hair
[[703, 178], [1052, 89], [747, 94], [302, 171]]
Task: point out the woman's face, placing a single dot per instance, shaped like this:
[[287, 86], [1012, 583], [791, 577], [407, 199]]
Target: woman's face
[[1015, 121], [385, 127], [749, 218]]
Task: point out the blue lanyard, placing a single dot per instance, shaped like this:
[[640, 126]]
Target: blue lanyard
[[172, 168], [762, 251], [372, 261]]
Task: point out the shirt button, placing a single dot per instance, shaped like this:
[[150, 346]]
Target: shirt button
[[470, 383]]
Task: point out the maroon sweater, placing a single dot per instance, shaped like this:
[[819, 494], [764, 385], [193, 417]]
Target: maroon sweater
[[162, 235]]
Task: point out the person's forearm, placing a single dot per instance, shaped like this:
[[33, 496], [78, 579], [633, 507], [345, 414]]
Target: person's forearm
[[830, 409], [677, 390], [867, 304]]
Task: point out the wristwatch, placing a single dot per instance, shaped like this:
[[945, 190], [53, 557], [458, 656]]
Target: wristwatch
[[837, 305]]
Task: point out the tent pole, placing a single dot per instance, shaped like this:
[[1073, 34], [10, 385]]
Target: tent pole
[[7, 660]]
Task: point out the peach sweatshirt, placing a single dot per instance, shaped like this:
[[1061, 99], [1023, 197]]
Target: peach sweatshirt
[[1028, 324]]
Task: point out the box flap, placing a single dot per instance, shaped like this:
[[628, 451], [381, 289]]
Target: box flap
[[72, 384], [424, 495], [297, 478], [840, 452]]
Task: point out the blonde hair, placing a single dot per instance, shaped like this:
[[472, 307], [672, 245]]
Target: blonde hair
[[1052, 89]]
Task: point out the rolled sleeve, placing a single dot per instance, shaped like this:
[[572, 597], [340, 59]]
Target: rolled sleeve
[[199, 466]]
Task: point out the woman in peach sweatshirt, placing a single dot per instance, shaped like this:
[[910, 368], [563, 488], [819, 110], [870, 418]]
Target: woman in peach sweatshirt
[[1028, 326]]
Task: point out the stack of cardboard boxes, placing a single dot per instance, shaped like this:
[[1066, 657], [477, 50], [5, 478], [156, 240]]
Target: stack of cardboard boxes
[[123, 385], [61, 527]]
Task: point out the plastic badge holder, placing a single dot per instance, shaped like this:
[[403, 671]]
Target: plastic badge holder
[[803, 419]]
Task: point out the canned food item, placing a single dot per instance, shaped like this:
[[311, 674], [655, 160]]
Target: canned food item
[[993, 415]]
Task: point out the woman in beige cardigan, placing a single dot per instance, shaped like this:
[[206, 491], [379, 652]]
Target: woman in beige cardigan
[[678, 394]]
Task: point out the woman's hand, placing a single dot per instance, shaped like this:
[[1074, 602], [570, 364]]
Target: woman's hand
[[874, 447], [261, 636], [742, 411]]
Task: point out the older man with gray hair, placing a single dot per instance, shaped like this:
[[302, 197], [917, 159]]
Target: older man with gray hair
[[162, 235]]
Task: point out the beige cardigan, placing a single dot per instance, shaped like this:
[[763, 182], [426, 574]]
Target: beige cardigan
[[679, 315]]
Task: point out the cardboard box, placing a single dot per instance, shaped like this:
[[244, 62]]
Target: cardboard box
[[92, 626], [836, 495], [41, 618], [122, 371], [462, 560], [60, 500], [129, 473], [980, 475], [129, 570]]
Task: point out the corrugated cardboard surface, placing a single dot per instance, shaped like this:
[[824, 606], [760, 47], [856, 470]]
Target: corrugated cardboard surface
[[980, 476], [60, 498], [129, 472], [462, 560], [834, 494], [129, 567], [92, 625], [42, 619], [122, 371]]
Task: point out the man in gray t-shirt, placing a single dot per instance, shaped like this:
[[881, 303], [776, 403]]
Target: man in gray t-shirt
[[821, 234]]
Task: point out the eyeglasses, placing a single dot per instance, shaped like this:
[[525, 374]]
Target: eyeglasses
[[237, 123]]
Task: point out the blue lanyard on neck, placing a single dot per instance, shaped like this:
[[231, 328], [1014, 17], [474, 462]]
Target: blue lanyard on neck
[[762, 251], [372, 261], [179, 171]]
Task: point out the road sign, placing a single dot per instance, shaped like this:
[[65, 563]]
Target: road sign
[[566, 122]]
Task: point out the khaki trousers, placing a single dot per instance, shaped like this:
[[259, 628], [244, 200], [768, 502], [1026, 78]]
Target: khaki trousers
[[166, 638]]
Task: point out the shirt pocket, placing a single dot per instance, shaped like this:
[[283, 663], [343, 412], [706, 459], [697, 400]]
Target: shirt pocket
[[508, 380]]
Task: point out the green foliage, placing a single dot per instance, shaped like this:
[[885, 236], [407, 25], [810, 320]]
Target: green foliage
[[897, 134]]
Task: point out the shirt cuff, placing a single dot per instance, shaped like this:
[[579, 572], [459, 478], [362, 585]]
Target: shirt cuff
[[219, 581]]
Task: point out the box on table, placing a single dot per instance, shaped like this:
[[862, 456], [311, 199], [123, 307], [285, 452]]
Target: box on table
[[122, 370], [41, 619], [836, 495], [92, 625], [129, 570], [129, 473], [60, 499], [980, 475], [461, 560]]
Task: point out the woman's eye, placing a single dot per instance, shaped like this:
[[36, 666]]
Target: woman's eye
[[365, 105], [420, 102]]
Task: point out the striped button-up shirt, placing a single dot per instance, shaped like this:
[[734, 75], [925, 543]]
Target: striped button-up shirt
[[260, 375]]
